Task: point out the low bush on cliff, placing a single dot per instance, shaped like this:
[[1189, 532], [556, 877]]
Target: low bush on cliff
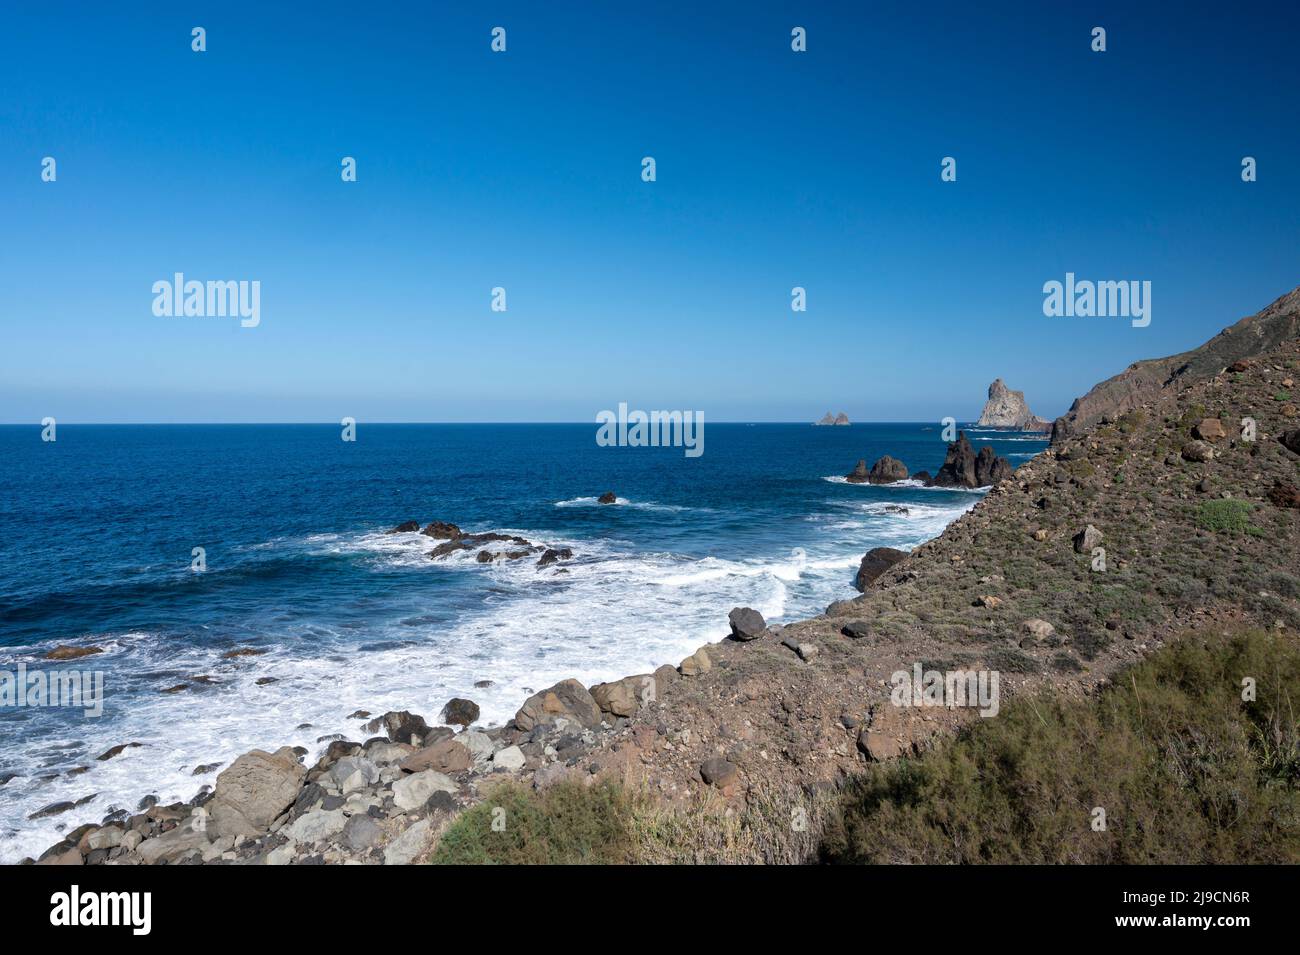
[[566, 824], [1184, 768]]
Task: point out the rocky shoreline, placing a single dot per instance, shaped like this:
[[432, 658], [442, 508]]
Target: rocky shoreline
[[382, 800]]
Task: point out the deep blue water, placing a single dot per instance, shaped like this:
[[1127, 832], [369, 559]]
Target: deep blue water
[[97, 529]]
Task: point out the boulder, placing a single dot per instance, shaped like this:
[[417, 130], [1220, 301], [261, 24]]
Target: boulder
[[1038, 629], [460, 712], [1087, 539], [406, 527], [887, 470], [1210, 429], [856, 629], [874, 563], [568, 698], [405, 848], [62, 854], [622, 697], [385, 753], [510, 758], [478, 744], [719, 772], [746, 624], [254, 791], [441, 530], [352, 773], [412, 792], [176, 843], [402, 726], [1282, 494], [1291, 440], [1198, 451], [607, 498], [554, 554], [696, 664], [318, 825], [360, 833], [445, 756]]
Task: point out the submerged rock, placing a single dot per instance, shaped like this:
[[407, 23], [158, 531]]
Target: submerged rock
[[607, 498], [406, 527]]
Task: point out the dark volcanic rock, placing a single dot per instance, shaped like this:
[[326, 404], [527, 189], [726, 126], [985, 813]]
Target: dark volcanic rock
[[874, 563], [964, 468], [460, 712], [887, 470], [450, 547], [1282, 494], [1291, 440], [607, 498], [402, 727], [958, 466], [554, 554], [746, 623], [406, 527], [990, 469], [859, 474], [441, 530]]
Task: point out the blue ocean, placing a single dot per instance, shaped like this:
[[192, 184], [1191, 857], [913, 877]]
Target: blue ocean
[[98, 528]]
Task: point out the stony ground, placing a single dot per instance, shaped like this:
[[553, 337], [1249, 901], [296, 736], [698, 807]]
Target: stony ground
[[1198, 524]]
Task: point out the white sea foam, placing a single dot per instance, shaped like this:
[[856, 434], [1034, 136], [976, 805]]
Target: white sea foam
[[624, 502], [607, 613]]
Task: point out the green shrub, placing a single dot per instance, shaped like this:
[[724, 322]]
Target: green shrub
[[1186, 771], [566, 824], [1227, 515]]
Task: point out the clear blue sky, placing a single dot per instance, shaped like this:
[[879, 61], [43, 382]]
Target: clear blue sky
[[522, 170]]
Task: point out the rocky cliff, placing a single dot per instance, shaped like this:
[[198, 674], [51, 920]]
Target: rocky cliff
[[1145, 381]]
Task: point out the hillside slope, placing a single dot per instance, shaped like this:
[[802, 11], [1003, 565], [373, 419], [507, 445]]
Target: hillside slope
[[1144, 381]]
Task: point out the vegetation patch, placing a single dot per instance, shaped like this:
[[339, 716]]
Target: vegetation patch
[[1227, 516], [1185, 770], [567, 824]]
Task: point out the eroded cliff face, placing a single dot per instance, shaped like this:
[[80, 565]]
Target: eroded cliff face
[[1145, 381], [1007, 409]]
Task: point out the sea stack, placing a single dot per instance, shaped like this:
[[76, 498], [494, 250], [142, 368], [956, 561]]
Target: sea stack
[[1007, 409]]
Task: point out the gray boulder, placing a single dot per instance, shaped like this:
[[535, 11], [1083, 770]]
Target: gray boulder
[[254, 791]]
